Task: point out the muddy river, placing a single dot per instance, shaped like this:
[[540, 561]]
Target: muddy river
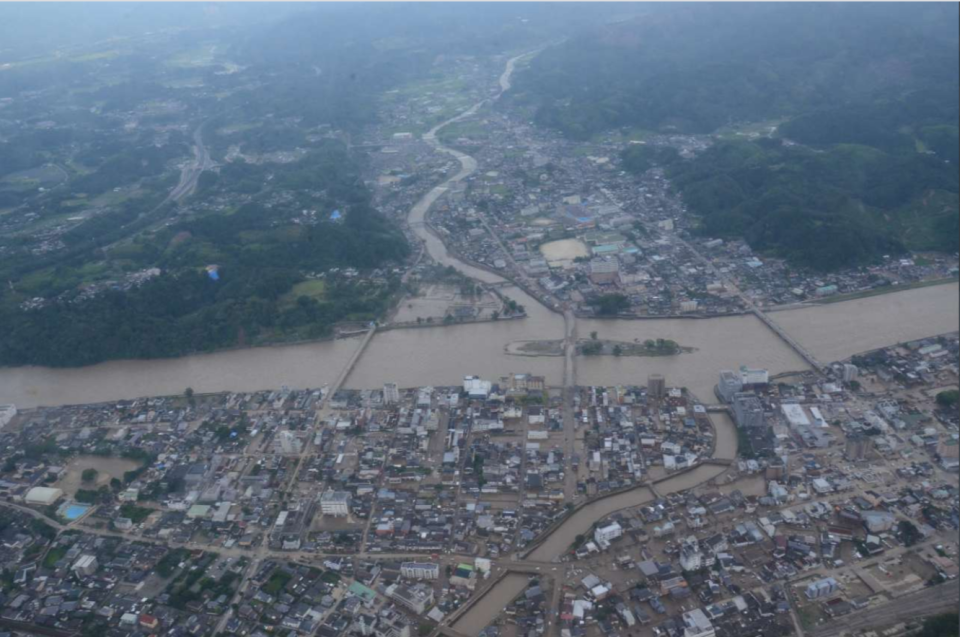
[[719, 343], [443, 355], [840, 330]]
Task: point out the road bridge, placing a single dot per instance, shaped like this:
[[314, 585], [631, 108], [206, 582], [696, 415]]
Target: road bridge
[[345, 372], [789, 340], [720, 462]]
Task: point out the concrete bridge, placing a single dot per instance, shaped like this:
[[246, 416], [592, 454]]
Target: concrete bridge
[[345, 372], [719, 462], [718, 409], [789, 340]]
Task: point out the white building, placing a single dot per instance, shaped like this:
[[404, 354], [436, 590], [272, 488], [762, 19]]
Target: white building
[[690, 556], [822, 588], [604, 534], [415, 598], [85, 565], [729, 386], [850, 372], [43, 496], [391, 393], [474, 387], [696, 624], [420, 570], [335, 503], [7, 412], [753, 377]]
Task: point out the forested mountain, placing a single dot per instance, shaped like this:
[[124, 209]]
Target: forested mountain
[[696, 67], [842, 206], [864, 161], [260, 253]]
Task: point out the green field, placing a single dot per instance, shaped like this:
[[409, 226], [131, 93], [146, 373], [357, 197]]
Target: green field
[[313, 289]]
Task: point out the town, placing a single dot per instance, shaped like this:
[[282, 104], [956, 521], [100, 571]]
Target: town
[[768, 508]]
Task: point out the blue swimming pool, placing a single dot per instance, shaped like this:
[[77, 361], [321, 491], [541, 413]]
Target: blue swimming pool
[[71, 510]]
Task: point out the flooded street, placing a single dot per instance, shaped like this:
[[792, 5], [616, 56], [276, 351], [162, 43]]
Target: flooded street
[[840, 330], [560, 541], [481, 615]]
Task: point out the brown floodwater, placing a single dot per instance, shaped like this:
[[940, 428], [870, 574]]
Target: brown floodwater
[[839, 330]]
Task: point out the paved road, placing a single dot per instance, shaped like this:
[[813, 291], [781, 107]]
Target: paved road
[[192, 171], [569, 389]]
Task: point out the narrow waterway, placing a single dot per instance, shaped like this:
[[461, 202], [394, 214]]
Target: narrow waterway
[[485, 612], [478, 617]]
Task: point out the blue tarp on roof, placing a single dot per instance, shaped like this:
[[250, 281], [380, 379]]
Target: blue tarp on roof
[[335, 215]]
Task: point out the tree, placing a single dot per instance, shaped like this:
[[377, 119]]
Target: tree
[[89, 475], [593, 336], [188, 393], [943, 625], [611, 304], [909, 533], [592, 348], [949, 398], [617, 350]]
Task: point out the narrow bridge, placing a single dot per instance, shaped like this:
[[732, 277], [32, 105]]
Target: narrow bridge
[[720, 462], [345, 372], [789, 340], [718, 409]]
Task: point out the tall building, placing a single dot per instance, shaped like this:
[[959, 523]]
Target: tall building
[[656, 386], [857, 447], [822, 588], [603, 272], [335, 503], [850, 372], [7, 412], [748, 411], [729, 386], [391, 393]]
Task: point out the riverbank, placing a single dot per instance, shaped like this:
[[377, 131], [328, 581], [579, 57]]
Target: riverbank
[[865, 294]]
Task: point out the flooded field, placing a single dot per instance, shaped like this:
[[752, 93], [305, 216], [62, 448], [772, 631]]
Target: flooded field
[[107, 468], [840, 330], [559, 253], [720, 343], [436, 301]]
